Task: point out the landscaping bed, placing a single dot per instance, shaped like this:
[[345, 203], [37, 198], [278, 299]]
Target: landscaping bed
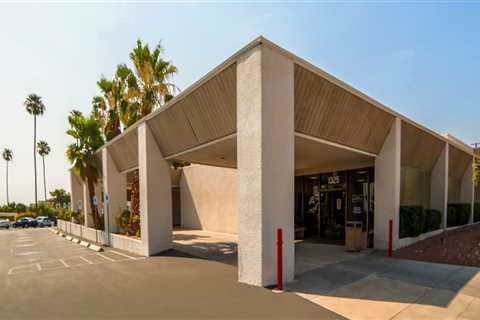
[[459, 246]]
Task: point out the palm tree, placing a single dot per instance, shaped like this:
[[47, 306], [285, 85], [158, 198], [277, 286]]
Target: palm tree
[[87, 132], [34, 106], [7, 156], [43, 151], [107, 106], [148, 87]]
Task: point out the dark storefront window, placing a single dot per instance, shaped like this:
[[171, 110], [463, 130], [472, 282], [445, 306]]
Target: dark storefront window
[[324, 202]]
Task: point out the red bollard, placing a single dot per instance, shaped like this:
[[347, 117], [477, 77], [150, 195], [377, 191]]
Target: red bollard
[[390, 237], [279, 259]]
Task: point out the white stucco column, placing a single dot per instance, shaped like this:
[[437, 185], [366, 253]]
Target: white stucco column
[[155, 194], [467, 188], [387, 187], [265, 160], [439, 185], [115, 186], [76, 192]]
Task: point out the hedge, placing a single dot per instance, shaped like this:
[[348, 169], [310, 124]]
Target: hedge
[[414, 221], [458, 214], [433, 220], [476, 212]]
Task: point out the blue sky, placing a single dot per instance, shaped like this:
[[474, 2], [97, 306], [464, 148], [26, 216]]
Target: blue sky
[[423, 60]]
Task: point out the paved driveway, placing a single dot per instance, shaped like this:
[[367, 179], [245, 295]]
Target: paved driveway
[[371, 286], [44, 276]]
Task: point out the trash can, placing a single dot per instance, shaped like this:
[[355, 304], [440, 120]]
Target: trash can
[[353, 235]]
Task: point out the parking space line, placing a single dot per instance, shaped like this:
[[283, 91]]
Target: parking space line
[[39, 267], [125, 255], [106, 258], [86, 260], [64, 263]]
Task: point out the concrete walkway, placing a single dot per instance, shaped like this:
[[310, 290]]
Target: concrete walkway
[[370, 286]]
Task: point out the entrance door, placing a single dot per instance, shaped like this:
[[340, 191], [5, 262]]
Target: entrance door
[[332, 216]]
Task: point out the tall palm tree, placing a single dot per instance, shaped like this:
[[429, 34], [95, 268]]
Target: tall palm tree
[[34, 106], [87, 132], [43, 151], [7, 156]]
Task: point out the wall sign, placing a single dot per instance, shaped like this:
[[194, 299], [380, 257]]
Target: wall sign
[[334, 180]]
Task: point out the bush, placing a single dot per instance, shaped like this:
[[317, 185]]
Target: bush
[[127, 227], [412, 221], [20, 207], [433, 220], [458, 214], [476, 212]]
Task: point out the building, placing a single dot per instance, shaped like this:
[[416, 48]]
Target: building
[[278, 143]]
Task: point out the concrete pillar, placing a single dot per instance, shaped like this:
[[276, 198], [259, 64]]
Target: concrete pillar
[[115, 186], [467, 188], [265, 161], [76, 192], [439, 185], [387, 187], [155, 194]]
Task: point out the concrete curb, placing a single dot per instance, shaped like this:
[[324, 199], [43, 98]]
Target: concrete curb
[[85, 244], [96, 248]]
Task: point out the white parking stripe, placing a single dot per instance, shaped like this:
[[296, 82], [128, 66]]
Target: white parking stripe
[[64, 263], [105, 257], [39, 267], [123, 255], [86, 260]]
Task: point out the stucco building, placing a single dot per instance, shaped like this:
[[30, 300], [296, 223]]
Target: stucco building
[[276, 142]]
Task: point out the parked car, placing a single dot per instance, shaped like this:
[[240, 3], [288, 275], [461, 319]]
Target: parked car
[[25, 222], [44, 221], [4, 223]]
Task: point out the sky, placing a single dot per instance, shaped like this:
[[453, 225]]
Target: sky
[[421, 59]]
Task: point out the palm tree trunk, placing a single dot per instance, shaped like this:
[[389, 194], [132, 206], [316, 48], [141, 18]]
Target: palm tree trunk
[[93, 207], [44, 179], [8, 199], [35, 158]]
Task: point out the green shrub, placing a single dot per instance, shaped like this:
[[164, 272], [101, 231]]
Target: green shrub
[[433, 220], [412, 221], [20, 207], [458, 214], [127, 223], [476, 212]]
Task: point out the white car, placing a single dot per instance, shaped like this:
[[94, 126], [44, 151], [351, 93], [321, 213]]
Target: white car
[[4, 223], [44, 221]]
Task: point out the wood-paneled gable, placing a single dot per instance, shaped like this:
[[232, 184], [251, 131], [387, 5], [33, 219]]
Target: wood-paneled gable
[[125, 151], [327, 111], [420, 149], [458, 161], [206, 114]]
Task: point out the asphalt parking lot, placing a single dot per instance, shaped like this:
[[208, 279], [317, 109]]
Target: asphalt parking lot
[[44, 276]]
